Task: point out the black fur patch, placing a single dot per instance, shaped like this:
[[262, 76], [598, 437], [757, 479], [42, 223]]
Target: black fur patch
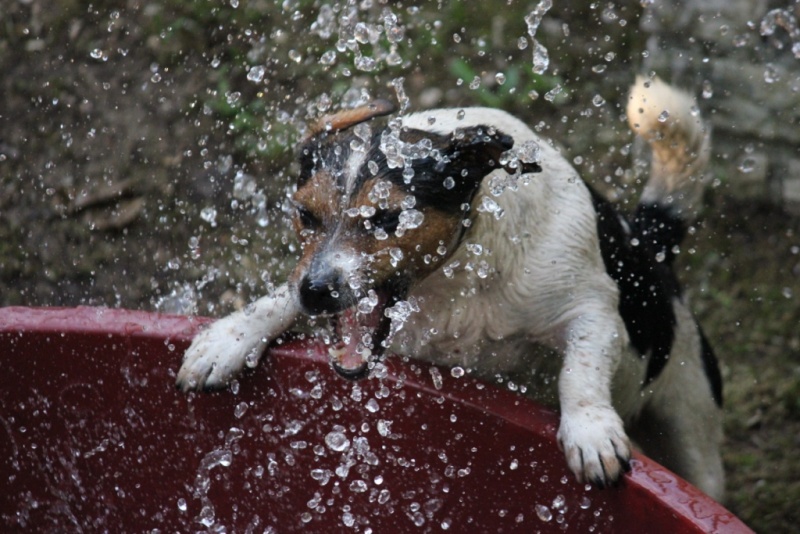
[[446, 179], [711, 367], [646, 286]]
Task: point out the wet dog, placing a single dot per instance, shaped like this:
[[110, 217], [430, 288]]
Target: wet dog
[[462, 238]]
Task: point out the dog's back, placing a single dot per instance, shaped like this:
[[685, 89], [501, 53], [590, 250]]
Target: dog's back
[[540, 260]]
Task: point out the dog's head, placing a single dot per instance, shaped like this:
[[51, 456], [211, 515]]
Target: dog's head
[[379, 207]]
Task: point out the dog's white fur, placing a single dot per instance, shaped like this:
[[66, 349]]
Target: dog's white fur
[[547, 287]]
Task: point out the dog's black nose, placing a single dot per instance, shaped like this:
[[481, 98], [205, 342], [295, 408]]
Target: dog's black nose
[[323, 292]]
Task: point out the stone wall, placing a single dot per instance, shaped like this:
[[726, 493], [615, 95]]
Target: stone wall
[[745, 55]]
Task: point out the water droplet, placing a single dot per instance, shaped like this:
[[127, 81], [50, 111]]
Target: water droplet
[[457, 372], [663, 116], [708, 90], [409, 219], [543, 513], [488, 205], [747, 165], [206, 516], [256, 73], [437, 377], [384, 427], [598, 101], [358, 486], [365, 63], [368, 303], [372, 406], [215, 458], [182, 506], [328, 58], [337, 441], [209, 214], [771, 74], [395, 256], [553, 93], [240, 410], [252, 357], [533, 19], [321, 475], [541, 59], [474, 248], [500, 78]]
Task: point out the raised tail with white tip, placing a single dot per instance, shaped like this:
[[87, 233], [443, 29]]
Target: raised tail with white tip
[[668, 119]]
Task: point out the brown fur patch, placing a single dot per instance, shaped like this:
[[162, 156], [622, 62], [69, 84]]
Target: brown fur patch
[[321, 218], [318, 204]]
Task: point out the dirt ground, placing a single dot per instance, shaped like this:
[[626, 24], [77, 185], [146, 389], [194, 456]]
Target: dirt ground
[[141, 168]]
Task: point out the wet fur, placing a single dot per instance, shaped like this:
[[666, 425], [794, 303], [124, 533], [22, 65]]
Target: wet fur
[[558, 269]]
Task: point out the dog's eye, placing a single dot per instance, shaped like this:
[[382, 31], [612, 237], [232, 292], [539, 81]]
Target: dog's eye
[[307, 219], [386, 220]]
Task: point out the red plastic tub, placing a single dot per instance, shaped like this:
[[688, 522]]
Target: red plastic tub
[[95, 437]]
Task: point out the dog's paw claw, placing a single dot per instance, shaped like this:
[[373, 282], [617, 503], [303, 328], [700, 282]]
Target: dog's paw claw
[[596, 447]]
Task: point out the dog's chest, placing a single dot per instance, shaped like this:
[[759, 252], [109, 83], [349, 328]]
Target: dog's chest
[[521, 365]]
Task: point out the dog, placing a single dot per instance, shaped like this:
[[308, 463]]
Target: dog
[[460, 237]]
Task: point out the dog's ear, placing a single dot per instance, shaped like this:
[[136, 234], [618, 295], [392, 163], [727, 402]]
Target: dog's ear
[[465, 157], [476, 151], [482, 148], [331, 124], [348, 118]]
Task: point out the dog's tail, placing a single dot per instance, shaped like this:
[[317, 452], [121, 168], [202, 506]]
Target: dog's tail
[[668, 119]]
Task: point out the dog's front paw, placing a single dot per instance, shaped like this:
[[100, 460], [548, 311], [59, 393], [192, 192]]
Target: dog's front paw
[[218, 354], [595, 444]]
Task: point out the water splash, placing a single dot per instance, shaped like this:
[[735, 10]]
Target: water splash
[[399, 314], [541, 59], [371, 42]]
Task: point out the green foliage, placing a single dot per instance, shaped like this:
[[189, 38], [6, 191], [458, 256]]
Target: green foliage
[[520, 86]]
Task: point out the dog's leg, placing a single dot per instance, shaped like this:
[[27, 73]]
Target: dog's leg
[[221, 351], [681, 423], [591, 432], [685, 439]]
